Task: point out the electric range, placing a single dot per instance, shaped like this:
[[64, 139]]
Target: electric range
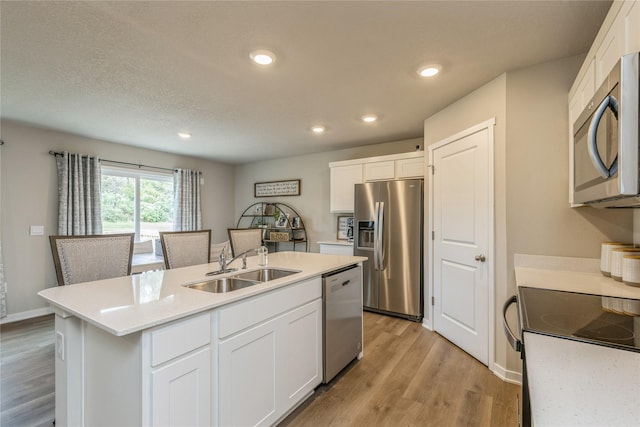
[[594, 319]]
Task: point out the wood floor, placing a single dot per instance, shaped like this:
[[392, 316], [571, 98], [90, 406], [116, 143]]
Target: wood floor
[[27, 372], [408, 377]]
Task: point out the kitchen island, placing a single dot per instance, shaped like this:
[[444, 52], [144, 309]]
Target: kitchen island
[[146, 350]]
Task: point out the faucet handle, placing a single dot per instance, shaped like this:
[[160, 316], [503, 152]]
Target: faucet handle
[[244, 261]]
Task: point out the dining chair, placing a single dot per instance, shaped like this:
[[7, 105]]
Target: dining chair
[[243, 239], [80, 259], [217, 248], [184, 248]]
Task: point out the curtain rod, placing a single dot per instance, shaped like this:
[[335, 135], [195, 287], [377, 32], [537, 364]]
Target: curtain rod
[[57, 153]]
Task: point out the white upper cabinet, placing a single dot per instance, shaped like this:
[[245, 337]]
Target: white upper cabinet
[[376, 171], [609, 52], [346, 174], [343, 179], [632, 28], [410, 168]]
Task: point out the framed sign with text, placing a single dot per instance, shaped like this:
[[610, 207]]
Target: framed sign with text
[[345, 227], [277, 188]]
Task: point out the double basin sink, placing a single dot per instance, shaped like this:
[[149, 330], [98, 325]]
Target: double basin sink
[[241, 280]]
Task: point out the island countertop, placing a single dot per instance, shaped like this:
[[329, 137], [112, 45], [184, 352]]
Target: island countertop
[[124, 305]]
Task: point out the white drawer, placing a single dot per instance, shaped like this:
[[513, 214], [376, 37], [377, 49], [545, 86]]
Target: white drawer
[[179, 338], [245, 313]]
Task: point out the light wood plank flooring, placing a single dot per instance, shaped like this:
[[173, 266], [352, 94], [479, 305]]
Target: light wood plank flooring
[[27, 381], [408, 377]]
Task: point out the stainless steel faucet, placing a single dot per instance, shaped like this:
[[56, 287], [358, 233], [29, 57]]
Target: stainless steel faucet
[[222, 259]]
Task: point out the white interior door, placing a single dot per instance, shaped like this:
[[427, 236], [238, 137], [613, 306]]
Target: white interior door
[[462, 246]]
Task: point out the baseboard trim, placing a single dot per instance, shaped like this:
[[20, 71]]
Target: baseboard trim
[[512, 377], [23, 315]]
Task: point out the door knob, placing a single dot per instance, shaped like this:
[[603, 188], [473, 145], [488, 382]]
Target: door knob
[[481, 258]]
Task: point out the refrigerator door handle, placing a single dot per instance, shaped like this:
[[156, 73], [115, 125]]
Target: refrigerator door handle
[[376, 217], [381, 236]]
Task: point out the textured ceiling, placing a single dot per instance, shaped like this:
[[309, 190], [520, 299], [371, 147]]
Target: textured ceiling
[[139, 72]]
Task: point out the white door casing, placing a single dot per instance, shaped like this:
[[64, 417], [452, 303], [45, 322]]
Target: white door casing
[[461, 206]]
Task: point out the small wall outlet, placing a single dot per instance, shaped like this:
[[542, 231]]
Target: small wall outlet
[[60, 345], [36, 230]]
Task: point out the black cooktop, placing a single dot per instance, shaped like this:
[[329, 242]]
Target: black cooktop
[[595, 319]]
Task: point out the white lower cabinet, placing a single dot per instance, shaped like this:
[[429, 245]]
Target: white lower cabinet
[[300, 362], [181, 391], [247, 380], [269, 367]]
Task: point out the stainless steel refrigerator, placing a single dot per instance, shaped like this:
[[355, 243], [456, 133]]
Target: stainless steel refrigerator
[[388, 222]]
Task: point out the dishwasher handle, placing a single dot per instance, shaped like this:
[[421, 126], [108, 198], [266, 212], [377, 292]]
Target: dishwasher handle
[[513, 340]]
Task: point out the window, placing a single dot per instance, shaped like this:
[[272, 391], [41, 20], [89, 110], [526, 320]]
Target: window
[[136, 201]]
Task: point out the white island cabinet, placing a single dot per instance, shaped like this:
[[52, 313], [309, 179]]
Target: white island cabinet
[[270, 351], [144, 350]]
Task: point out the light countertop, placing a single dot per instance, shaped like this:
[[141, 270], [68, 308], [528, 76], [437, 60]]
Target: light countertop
[[580, 275], [336, 242], [130, 304]]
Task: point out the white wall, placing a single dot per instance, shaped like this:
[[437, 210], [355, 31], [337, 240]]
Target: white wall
[[29, 197], [313, 171], [532, 214]]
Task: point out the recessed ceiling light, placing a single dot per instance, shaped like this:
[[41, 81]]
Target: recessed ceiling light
[[184, 135], [428, 70], [263, 57], [318, 129], [369, 118]]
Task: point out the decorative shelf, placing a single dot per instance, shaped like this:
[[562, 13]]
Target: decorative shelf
[[275, 217]]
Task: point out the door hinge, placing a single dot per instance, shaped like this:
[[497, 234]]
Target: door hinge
[[433, 169], [433, 300], [433, 235]]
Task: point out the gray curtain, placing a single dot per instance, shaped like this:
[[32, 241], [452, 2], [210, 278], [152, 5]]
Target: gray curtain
[[79, 206], [187, 214]]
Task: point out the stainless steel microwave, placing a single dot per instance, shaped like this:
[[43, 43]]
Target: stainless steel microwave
[[605, 137]]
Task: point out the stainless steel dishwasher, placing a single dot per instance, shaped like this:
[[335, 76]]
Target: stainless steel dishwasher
[[342, 307]]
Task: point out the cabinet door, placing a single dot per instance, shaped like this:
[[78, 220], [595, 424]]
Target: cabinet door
[[610, 50], [301, 359], [181, 391], [632, 29], [379, 170], [410, 168], [343, 179], [247, 377]]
